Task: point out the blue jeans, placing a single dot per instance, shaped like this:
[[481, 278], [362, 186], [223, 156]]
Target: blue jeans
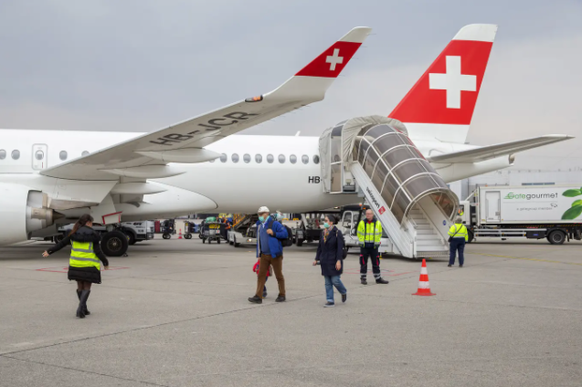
[[330, 282], [457, 244]]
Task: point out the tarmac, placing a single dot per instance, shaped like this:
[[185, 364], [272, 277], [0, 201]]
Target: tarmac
[[175, 313]]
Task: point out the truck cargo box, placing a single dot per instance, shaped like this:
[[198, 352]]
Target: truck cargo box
[[559, 204]]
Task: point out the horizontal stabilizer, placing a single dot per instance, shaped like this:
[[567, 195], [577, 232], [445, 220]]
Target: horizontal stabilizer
[[497, 150]]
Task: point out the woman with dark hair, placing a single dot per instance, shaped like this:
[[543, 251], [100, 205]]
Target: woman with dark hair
[[85, 261], [330, 254]]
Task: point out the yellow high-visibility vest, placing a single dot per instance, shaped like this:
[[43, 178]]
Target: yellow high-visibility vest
[[82, 255], [459, 231], [369, 232]]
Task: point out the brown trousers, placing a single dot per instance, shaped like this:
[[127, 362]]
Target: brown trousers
[[277, 263]]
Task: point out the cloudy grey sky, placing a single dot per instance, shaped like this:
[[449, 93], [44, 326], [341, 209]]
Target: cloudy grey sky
[[139, 65]]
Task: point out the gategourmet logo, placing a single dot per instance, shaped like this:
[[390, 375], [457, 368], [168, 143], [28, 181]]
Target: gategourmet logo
[[530, 196]]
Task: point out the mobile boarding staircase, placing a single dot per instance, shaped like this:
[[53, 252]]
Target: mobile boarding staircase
[[374, 158]]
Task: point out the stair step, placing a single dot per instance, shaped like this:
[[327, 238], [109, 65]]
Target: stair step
[[423, 227], [429, 242], [432, 247], [432, 236]]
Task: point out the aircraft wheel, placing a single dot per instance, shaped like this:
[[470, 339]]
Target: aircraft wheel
[[114, 244]]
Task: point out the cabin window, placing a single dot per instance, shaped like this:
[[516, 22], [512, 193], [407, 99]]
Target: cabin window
[[293, 159], [39, 155], [235, 158], [85, 153], [223, 157], [247, 158], [270, 159], [258, 158], [305, 159], [63, 155], [281, 159], [2, 154], [316, 159], [15, 154]]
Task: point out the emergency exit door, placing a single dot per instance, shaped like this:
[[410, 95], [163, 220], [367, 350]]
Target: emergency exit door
[[493, 205], [39, 156]]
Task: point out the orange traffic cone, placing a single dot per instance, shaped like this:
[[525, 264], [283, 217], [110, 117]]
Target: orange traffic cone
[[423, 285], [180, 234]]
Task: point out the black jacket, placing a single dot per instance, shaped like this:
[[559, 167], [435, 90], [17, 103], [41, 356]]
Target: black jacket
[[331, 251], [84, 234]]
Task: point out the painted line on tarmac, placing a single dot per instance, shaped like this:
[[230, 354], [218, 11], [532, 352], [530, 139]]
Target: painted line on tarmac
[[529, 259]]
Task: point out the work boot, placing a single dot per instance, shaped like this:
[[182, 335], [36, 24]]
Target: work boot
[[363, 281], [280, 299], [344, 297], [381, 281], [86, 311], [255, 300]]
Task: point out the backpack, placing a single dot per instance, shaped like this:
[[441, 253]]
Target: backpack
[[284, 242], [345, 249]]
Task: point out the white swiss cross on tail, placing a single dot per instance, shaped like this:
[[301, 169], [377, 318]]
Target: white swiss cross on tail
[[334, 59], [453, 82]]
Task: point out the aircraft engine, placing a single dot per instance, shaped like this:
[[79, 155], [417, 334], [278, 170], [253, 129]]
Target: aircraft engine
[[22, 210]]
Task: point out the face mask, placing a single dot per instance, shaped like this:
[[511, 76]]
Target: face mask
[[261, 219], [326, 225]]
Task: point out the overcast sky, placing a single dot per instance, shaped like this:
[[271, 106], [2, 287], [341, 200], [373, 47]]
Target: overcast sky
[[140, 65]]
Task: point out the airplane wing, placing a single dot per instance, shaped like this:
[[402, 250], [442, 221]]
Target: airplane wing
[[497, 150], [146, 156]]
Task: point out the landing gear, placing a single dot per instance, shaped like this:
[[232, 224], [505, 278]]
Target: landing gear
[[114, 243]]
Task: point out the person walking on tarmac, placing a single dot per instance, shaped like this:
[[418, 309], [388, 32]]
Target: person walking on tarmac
[[369, 235], [458, 237], [85, 260], [270, 251]]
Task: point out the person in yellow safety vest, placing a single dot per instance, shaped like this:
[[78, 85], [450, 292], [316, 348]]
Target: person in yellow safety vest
[[85, 260], [369, 236], [459, 235]]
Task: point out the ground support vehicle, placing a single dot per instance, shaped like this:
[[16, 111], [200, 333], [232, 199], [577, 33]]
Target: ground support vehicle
[[533, 212], [211, 231]]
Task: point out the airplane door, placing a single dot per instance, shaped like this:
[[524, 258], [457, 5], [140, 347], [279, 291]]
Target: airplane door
[[39, 156], [493, 203]]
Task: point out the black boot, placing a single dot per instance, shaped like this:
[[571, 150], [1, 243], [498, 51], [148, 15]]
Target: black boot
[[86, 311], [256, 300], [381, 281], [83, 303]]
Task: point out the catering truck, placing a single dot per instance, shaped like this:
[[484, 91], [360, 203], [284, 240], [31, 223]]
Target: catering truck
[[534, 212]]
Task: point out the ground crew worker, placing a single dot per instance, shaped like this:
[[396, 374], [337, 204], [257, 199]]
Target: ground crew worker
[[369, 235], [85, 260], [458, 237]]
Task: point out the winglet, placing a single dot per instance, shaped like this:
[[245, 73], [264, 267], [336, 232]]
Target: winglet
[[311, 82]]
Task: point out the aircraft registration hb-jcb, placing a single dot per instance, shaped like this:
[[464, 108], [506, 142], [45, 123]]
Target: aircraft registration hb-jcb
[[400, 164]]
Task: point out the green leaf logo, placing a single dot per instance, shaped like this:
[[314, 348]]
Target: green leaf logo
[[577, 203], [570, 193], [572, 213]]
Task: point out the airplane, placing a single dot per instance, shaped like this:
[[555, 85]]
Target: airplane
[[200, 165]]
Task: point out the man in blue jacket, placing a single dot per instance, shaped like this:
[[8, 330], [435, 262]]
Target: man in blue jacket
[[270, 251]]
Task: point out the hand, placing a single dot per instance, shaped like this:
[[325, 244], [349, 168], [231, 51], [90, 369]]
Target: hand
[[45, 254], [338, 265], [106, 267], [270, 232], [314, 263]]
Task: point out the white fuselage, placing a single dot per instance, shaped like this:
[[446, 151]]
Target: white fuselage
[[224, 186]]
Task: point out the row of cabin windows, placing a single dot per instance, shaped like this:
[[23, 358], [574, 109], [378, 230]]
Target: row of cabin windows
[[39, 155], [270, 158]]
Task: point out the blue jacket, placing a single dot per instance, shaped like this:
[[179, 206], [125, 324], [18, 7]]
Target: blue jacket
[[274, 243]]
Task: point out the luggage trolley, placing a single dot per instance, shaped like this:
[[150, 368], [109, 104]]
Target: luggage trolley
[[211, 231]]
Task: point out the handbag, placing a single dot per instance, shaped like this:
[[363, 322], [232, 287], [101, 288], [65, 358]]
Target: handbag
[[344, 249], [451, 237]]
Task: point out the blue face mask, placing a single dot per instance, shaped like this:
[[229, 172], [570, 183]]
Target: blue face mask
[[326, 225]]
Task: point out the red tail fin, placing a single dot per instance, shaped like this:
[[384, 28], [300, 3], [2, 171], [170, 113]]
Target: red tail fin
[[447, 92]]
